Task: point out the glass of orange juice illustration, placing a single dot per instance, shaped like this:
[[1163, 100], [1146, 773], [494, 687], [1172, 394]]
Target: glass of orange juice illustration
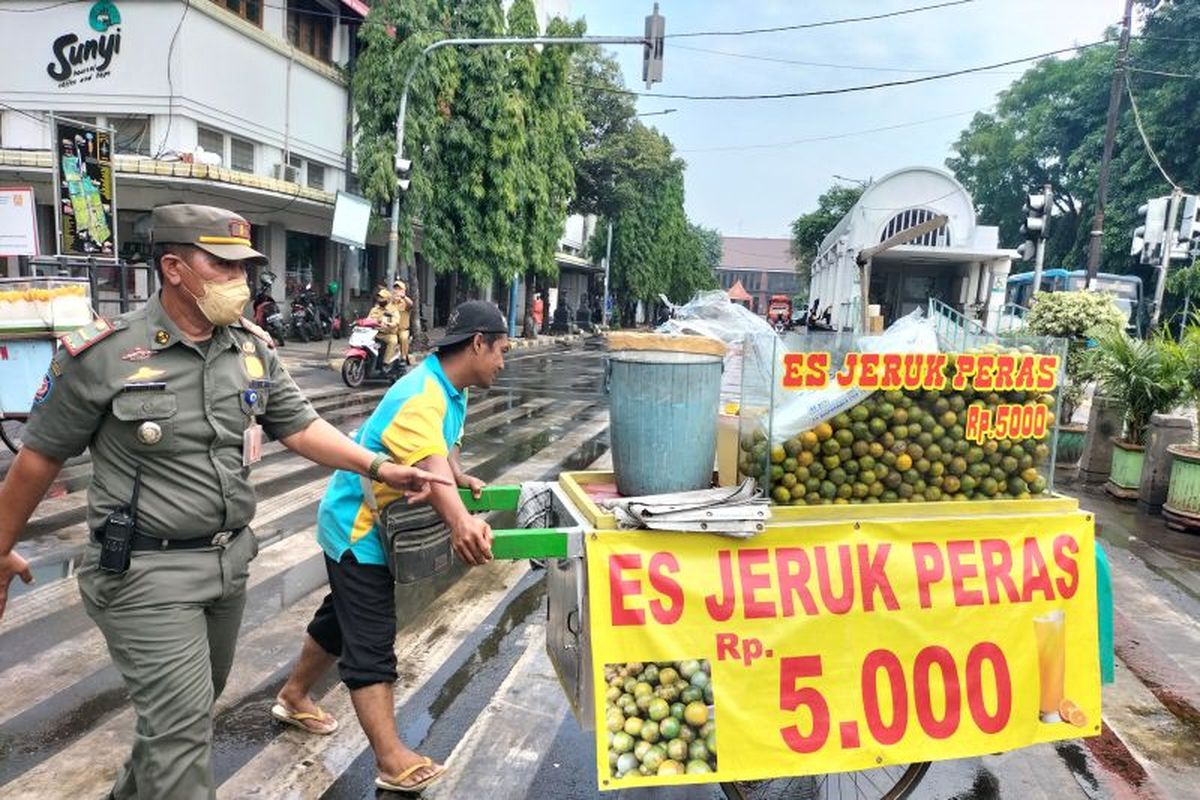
[[1050, 633]]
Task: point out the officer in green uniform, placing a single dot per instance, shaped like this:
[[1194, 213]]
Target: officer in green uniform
[[173, 400]]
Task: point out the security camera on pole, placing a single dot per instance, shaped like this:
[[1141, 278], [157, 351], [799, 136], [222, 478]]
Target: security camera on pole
[[1036, 227]]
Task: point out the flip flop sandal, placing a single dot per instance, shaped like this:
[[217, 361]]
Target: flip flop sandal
[[296, 719], [396, 782]]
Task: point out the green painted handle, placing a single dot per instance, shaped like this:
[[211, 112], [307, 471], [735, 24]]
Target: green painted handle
[[518, 544], [495, 498]]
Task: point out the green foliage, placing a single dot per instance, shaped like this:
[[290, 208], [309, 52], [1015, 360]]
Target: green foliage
[[1146, 376], [1048, 126], [608, 117], [492, 133], [1186, 353], [1074, 316], [809, 229]]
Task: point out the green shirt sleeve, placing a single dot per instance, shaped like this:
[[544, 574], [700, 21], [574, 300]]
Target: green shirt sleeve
[[288, 410], [69, 407]]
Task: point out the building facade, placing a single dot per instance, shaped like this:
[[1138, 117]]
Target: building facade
[[765, 267], [231, 103]]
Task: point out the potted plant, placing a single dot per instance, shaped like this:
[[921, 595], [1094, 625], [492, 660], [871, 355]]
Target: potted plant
[[1076, 317], [1182, 509], [1145, 376]]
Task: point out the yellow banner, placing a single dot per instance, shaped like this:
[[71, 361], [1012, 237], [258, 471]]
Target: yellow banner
[[829, 648]]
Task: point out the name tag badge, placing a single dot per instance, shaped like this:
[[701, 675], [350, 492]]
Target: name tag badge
[[252, 444]]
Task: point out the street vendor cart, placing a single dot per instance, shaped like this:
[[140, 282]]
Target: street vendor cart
[[34, 312], [911, 595]]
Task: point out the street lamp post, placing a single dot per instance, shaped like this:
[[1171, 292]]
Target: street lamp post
[[394, 228]]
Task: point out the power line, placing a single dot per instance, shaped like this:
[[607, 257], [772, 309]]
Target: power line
[[829, 137], [187, 6], [1137, 118], [845, 89], [822, 24], [799, 63], [1163, 74]]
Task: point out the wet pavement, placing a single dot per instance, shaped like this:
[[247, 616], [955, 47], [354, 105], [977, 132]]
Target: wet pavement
[[476, 686]]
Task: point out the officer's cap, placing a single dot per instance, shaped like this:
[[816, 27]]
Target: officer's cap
[[222, 233]]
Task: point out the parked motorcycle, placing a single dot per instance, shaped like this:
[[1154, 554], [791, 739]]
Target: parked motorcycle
[[266, 311], [364, 357], [306, 319]]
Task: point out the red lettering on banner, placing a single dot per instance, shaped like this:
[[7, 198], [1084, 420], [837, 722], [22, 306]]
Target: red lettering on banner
[[842, 603], [660, 565], [960, 572], [818, 370], [1047, 376], [849, 367], [935, 372], [1065, 547], [721, 610], [620, 588], [869, 379], [997, 570], [930, 569], [1024, 378], [872, 571], [794, 570], [727, 646], [985, 372], [753, 582], [1035, 578], [891, 371], [964, 369]]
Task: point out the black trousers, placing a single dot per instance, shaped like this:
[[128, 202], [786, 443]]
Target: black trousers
[[357, 621]]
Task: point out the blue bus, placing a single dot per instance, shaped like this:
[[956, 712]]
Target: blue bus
[[1126, 290]]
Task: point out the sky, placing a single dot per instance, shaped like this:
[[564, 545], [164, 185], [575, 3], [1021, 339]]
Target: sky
[[739, 179]]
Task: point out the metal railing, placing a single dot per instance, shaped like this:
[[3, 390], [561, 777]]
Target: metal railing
[[1012, 318], [955, 330]]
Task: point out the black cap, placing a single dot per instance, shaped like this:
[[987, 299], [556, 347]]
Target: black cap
[[470, 318]]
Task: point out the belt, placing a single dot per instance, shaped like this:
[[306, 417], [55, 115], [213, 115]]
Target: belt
[[141, 541]]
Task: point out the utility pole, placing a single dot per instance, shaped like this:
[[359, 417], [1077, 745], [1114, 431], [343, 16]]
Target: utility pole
[[1110, 133], [607, 269]]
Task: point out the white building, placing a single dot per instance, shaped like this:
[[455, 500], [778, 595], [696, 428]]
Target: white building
[[959, 264], [234, 103]]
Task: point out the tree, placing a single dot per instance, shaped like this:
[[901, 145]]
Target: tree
[[608, 117], [808, 230]]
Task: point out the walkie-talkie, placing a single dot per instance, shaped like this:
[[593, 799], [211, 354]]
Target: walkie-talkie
[[119, 528]]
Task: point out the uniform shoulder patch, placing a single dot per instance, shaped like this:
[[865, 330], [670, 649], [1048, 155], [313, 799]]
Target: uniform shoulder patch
[[258, 333], [78, 341]]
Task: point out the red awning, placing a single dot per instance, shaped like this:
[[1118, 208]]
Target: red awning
[[358, 7], [738, 293]]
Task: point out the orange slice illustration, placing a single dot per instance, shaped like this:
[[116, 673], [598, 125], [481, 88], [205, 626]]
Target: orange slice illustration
[[1072, 713]]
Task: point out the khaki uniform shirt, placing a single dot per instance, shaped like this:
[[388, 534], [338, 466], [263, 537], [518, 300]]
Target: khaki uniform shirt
[[144, 371]]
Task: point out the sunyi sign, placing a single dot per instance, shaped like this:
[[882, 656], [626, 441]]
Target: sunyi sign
[[78, 59]]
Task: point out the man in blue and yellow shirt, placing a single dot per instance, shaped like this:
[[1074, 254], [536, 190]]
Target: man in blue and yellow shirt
[[419, 422]]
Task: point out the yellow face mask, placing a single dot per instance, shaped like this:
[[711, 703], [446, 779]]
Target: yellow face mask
[[221, 302]]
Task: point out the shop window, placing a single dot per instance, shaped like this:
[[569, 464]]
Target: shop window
[[212, 141], [249, 10], [316, 176], [310, 28], [132, 135], [241, 154]]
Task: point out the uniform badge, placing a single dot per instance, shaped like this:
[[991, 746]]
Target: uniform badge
[[248, 347], [145, 374], [137, 354], [44, 390], [55, 368], [149, 433], [254, 367], [162, 337]]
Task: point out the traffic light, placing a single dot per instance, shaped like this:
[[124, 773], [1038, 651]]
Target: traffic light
[[403, 168], [1148, 237], [1037, 219], [652, 52], [1188, 231]]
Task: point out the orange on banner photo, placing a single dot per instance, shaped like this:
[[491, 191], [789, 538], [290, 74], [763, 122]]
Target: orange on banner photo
[[834, 647]]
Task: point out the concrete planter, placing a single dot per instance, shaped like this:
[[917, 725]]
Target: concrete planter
[[1166, 431], [1182, 509], [1125, 476], [1071, 439], [1104, 422]]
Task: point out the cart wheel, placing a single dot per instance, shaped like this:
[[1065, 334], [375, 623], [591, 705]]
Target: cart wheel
[[884, 783], [10, 433]]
